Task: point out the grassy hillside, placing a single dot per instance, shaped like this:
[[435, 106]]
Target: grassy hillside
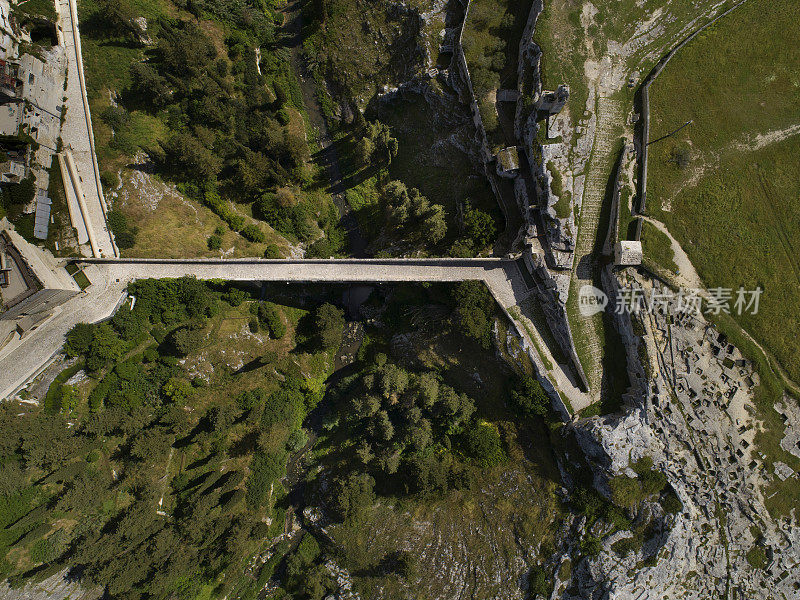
[[726, 187], [203, 97]]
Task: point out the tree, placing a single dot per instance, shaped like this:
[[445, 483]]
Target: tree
[[148, 83], [394, 381], [222, 417], [529, 398], [434, 228], [193, 159], [79, 339], [353, 495], [186, 340], [382, 426], [118, 19], [421, 435], [329, 322], [364, 452], [177, 390], [269, 315], [151, 445], [474, 305], [379, 141], [214, 242], [479, 227], [70, 397], [482, 444], [364, 151], [105, 347]]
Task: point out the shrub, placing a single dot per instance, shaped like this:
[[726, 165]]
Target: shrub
[[537, 582], [272, 251], [322, 248], [671, 503], [482, 444], [253, 233], [214, 242], [590, 545], [625, 491]]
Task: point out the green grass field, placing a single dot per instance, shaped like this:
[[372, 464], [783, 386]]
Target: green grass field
[[571, 32], [727, 188], [729, 196]]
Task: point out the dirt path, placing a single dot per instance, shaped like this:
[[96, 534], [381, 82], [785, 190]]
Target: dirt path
[[687, 274], [329, 157]]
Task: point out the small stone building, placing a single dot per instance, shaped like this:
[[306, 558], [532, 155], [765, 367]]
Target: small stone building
[[628, 253], [508, 162]]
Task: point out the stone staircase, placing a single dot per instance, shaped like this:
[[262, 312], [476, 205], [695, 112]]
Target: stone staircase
[[587, 331]]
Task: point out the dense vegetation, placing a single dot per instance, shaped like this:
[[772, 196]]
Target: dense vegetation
[[350, 48], [212, 100], [491, 39], [156, 458]]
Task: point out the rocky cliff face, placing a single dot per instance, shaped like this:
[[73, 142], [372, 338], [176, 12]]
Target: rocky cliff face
[[696, 425]]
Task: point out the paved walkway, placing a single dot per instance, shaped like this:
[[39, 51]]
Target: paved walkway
[[500, 275], [77, 135]]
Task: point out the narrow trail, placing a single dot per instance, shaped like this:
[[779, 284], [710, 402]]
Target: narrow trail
[[293, 27]]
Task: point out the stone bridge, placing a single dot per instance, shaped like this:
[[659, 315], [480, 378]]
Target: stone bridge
[[506, 278]]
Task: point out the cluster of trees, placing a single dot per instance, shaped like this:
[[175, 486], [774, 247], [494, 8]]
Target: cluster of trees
[[278, 418], [221, 113], [226, 112], [411, 217], [473, 311], [411, 434], [490, 38], [478, 230], [106, 468], [50, 468], [377, 145]]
